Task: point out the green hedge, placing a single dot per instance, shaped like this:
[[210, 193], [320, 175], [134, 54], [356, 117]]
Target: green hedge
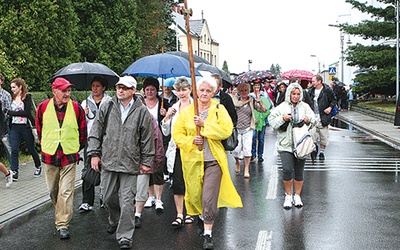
[[38, 97]]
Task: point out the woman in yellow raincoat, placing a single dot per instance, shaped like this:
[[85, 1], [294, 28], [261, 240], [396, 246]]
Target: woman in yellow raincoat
[[207, 180]]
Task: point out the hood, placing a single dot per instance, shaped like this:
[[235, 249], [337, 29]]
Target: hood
[[290, 89]]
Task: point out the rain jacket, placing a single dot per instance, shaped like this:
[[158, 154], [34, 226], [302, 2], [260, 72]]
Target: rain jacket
[[275, 119], [325, 99], [90, 103], [261, 117], [218, 126], [124, 146]]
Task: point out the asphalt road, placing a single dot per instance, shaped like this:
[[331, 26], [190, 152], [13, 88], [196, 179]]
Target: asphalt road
[[350, 202]]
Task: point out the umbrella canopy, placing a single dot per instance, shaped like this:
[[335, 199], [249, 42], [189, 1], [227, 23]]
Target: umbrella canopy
[[204, 68], [160, 65], [254, 76], [197, 59], [303, 75], [81, 74]]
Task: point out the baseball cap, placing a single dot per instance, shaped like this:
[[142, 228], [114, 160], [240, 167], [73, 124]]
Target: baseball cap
[[61, 83], [127, 81]]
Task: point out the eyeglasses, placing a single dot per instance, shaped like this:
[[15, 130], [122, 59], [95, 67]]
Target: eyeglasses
[[124, 88]]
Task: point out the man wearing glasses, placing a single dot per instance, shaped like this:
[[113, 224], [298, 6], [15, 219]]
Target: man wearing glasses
[[121, 145]]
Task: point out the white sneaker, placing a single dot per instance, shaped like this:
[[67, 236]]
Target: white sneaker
[[9, 179], [150, 202], [297, 201], [85, 207], [159, 205], [288, 201]]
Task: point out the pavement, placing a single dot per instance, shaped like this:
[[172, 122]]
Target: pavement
[[29, 196]]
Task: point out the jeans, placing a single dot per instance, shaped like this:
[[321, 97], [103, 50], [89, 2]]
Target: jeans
[[18, 132], [258, 135]]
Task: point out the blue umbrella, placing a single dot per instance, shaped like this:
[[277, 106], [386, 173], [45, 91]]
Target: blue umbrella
[[160, 65]]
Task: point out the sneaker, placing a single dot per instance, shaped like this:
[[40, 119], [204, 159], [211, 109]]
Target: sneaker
[[138, 222], [85, 207], [260, 159], [150, 202], [313, 155], [38, 171], [252, 158], [159, 205], [102, 204], [208, 243], [297, 201], [288, 201], [15, 175], [200, 225], [9, 179], [321, 156]]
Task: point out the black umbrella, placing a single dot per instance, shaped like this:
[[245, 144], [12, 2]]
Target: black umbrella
[[81, 74], [197, 59], [202, 67]]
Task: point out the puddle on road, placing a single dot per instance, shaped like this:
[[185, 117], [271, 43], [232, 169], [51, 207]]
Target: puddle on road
[[341, 124]]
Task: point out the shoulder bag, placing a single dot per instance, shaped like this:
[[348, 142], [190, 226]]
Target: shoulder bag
[[232, 141], [88, 173], [303, 144]]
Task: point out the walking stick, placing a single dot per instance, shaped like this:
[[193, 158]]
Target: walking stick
[[188, 12]]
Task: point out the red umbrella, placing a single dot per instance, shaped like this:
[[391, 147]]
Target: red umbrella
[[254, 76], [303, 75]]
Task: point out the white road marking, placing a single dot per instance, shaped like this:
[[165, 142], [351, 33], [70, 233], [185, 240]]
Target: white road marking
[[272, 183], [264, 240]]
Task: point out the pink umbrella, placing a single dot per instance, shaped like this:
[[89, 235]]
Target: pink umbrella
[[303, 75]]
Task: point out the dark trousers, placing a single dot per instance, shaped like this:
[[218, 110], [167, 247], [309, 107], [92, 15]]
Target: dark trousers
[[18, 132], [87, 188]]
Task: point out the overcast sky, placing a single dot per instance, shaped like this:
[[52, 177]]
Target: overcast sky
[[284, 32]]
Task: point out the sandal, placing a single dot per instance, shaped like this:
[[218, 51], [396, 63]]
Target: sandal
[[189, 219], [237, 169], [246, 175], [177, 222]]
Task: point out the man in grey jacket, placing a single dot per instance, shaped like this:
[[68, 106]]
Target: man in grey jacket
[[121, 146]]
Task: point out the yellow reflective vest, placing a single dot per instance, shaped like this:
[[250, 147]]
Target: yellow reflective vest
[[53, 135]]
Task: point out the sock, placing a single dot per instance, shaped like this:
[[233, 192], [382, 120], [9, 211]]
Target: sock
[[207, 232], [322, 151], [138, 215]]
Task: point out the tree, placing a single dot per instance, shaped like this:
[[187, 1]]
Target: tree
[[37, 37], [381, 57], [225, 67], [276, 69], [154, 20], [110, 36]]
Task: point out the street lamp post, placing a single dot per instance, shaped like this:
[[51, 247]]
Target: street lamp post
[[250, 62], [341, 51], [319, 64]]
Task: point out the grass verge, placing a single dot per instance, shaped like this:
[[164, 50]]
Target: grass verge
[[388, 105]]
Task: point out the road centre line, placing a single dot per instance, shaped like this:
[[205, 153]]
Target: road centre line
[[272, 182], [264, 240]]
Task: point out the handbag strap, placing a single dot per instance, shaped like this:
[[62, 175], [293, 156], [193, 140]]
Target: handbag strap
[[110, 104]]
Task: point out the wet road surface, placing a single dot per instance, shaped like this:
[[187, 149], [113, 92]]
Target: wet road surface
[[351, 201]]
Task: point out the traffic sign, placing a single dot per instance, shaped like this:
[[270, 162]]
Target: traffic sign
[[332, 70]]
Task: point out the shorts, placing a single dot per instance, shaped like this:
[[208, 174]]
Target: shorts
[[157, 178], [245, 144], [320, 133]]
